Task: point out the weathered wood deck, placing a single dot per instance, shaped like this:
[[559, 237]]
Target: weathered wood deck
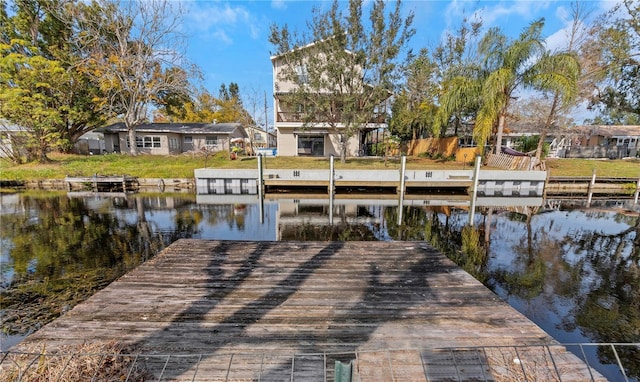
[[275, 311]]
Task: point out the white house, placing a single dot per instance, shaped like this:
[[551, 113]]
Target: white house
[[173, 138], [316, 138]]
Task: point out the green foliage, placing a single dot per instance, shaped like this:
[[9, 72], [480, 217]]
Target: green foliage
[[476, 256], [414, 108], [614, 43], [30, 88]]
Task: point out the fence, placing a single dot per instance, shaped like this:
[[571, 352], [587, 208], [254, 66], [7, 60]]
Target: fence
[[510, 162], [486, 363]]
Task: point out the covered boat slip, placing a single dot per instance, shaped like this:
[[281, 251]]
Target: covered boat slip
[[288, 311]]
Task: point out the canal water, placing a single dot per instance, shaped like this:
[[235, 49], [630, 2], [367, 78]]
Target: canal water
[[573, 270]]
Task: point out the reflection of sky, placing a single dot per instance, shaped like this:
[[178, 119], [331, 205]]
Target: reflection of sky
[[253, 230], [554, 226], [550, 310]]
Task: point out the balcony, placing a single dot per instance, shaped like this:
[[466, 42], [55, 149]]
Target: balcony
[[282, 116]]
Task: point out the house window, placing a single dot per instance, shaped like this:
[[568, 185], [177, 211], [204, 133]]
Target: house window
[[303, 75], [173, 143], [148, 142], [257, 137], [211, 141], [312, 145], [188, 139]]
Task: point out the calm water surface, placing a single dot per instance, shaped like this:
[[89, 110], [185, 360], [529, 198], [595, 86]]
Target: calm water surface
[[573, 271]]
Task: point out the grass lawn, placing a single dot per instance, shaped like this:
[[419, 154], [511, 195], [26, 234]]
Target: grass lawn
[[182, 166], [604, 168]]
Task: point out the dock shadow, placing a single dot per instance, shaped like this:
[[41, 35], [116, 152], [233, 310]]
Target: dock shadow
[[190, 332]]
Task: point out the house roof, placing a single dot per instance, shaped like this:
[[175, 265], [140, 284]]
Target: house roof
[[304, 47], [608, 130], [11, 127], [178, 128]]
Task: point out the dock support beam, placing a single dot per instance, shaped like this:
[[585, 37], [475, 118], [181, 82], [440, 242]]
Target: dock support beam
[[260, 188], [591, 185], [403, 170], [332, 188], [474, 192], [637, 194]]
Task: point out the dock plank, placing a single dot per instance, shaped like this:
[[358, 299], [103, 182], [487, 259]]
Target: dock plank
[[223, 310]]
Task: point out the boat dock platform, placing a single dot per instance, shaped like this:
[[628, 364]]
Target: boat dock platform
[[102, 183], [204, 310]]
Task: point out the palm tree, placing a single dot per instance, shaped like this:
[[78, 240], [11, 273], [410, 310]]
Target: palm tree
[[486, 90], [509, 65], [556, 74]]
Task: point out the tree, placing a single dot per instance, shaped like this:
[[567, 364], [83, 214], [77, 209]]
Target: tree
[[343, 70], [508, 66], [457, 68], [200, 107], [36, 29], [134, 55], [413, 109], [556, 74], [614, 49], [30, 87]]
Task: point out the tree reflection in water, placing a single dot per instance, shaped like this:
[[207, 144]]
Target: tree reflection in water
[[576, 273]]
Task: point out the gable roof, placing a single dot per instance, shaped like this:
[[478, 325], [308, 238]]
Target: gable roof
[[178, 128]]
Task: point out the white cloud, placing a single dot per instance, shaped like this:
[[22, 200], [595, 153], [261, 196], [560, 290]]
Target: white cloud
[[279, 4], [221, 21]]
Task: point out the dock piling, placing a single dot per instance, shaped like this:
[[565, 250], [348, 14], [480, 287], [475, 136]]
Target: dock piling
[[591, 185], [474, 192]]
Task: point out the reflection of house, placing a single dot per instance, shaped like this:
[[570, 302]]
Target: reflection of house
[[320, 136], [173, 138], [598, 141]]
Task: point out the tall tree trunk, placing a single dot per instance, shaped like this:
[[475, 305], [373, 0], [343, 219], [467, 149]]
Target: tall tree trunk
[[547, 125], [133, 148], [501, 119]]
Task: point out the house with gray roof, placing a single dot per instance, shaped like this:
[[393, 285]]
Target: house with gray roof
[[174, 138]]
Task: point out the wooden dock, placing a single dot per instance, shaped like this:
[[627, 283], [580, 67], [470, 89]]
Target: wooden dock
[[102, 183], [287, 311]]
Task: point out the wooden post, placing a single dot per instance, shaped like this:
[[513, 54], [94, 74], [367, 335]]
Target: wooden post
[[637, 194], [590, 191], [474, 191], [260, 188], [403, 169], [332, 188]]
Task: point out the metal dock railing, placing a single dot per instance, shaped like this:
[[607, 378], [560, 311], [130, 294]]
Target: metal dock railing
[[483, 363]]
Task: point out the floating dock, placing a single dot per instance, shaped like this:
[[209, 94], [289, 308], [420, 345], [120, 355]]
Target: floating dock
[[308, 311]]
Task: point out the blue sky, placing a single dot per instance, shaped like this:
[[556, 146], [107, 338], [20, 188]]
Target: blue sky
[[229, 39]]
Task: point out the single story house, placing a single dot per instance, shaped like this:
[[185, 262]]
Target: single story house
[[174, 138], [598, 141]]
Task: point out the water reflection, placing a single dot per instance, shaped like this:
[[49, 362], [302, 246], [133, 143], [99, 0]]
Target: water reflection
[[573, 271]]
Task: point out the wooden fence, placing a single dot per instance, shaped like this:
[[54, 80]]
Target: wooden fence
[[510, 162]]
